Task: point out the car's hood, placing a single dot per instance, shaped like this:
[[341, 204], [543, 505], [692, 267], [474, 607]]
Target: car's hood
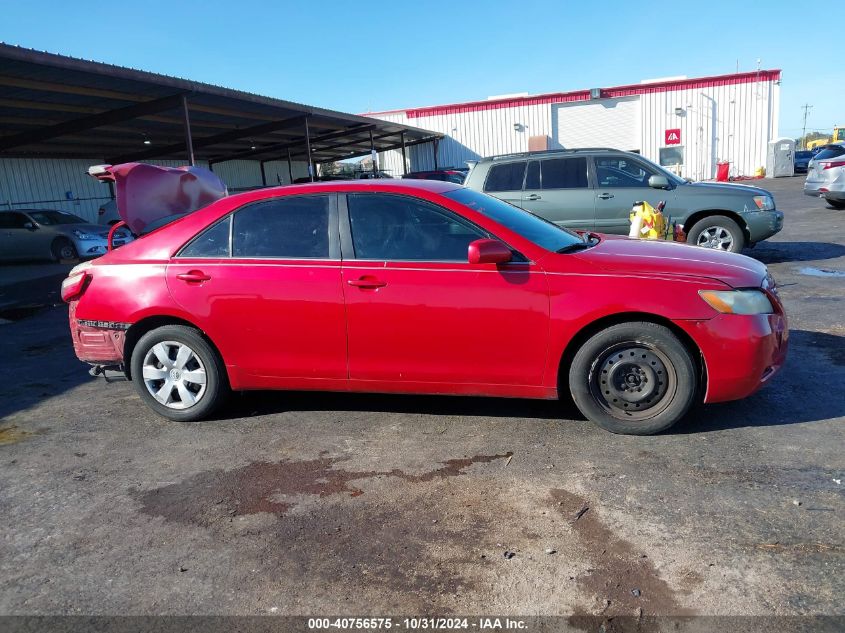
[[727, 188], [655, 257]]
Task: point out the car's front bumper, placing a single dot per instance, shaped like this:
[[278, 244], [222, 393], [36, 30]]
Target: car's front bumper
[[741, 352], [763, 224]]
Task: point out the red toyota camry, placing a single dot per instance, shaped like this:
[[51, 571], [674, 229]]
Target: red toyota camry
[[423, 287]]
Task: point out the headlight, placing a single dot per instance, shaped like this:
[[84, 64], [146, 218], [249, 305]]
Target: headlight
[[738, 301], [764, 203], [83, 236]]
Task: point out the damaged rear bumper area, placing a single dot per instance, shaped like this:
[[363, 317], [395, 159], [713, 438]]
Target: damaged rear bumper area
[[99, 343]]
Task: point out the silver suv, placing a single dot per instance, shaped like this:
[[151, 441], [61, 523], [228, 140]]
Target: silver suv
[[826, 175], [594, 189]]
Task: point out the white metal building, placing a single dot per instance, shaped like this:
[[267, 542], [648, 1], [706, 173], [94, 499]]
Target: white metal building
[[688, 125]]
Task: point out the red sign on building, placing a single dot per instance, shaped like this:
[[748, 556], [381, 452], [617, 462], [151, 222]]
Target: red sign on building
[[673, 137]]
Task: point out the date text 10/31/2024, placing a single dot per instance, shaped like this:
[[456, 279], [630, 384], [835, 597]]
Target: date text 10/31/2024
[[422, 623]]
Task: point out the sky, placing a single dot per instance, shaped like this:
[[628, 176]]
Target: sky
[[359, 56]]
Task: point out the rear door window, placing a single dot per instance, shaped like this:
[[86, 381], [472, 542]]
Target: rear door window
[[295, 227], [532, 176], [565, 173], [505, 177]]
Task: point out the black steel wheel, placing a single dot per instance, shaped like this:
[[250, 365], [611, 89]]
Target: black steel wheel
[[63, 249], [633, 378]]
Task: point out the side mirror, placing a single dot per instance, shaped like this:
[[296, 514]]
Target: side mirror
[[489, 252], [29, 226], [658, 182]]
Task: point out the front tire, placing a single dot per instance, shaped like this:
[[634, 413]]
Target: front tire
[[633, 378], [718, 232], [178, 374], [63, 249]]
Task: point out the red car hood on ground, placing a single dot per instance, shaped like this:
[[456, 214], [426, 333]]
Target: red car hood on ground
[[625, 255]]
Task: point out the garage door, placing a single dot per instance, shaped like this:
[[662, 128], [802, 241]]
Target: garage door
[[603, 123]]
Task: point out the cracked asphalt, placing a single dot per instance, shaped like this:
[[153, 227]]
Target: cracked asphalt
[[317, 504]]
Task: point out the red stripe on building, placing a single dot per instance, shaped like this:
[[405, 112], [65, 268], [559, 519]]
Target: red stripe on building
[[584, 95]]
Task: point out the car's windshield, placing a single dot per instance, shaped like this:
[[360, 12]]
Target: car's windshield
[[542, 232], [50, 218]]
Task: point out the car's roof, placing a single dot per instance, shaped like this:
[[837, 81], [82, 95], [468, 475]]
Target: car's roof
[[551, 152], [394, 185]]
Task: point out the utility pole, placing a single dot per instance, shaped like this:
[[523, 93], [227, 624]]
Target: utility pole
[[807, 107]]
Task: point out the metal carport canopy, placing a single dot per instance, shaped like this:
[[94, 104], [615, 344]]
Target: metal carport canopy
[[53, 106]]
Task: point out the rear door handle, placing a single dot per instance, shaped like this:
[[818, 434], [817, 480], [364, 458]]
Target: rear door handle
[[193, 276], [533, 196], [604, 196], [367, 283]]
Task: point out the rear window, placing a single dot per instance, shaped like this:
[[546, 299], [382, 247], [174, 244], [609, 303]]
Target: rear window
[[831, 151], [505, 177]]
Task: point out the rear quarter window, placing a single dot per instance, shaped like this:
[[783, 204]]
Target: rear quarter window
[[505, 177]]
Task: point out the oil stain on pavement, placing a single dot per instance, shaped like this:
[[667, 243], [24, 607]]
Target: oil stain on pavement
[[270, 486], [623, 580]]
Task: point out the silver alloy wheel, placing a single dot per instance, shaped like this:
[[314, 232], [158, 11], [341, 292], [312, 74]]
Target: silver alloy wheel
[[717, 237], [174, 375], [67, 251]]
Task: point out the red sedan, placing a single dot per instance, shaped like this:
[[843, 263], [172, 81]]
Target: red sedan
[[429, 288]]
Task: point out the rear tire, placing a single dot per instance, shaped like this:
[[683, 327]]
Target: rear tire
[[718, 232], [63, 249], [178, 374], [633, 378], [836, 204]]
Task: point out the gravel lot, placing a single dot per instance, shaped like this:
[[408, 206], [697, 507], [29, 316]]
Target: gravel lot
[[346, 504]]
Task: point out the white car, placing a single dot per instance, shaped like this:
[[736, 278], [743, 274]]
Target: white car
[[826, 175], [107, 213]]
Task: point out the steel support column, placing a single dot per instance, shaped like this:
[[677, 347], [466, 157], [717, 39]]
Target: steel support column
[[290, 168], [189, 142], [404, 160], [436, 146], [308, 151], [263, 174], [373, 153]]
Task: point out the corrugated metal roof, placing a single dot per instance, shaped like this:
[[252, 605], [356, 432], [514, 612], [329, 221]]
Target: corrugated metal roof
[[46, 99], [584, 95]]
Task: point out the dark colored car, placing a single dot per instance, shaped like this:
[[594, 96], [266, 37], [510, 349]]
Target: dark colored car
[[428, 288], [802, 159], [454, 175]]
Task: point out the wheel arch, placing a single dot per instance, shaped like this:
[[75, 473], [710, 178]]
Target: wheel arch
[[147, 324], [610, 320], [693, 218]]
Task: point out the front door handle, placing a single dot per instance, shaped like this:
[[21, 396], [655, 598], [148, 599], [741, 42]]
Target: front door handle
[[193, 276], [533, 196], [604, 196], [367, 283]]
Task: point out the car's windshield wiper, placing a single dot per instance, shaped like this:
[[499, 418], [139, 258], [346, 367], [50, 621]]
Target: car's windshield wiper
[[577, 246]]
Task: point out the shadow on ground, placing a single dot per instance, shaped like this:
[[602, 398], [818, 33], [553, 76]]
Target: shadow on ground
[[781, 252], [37, 360]]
